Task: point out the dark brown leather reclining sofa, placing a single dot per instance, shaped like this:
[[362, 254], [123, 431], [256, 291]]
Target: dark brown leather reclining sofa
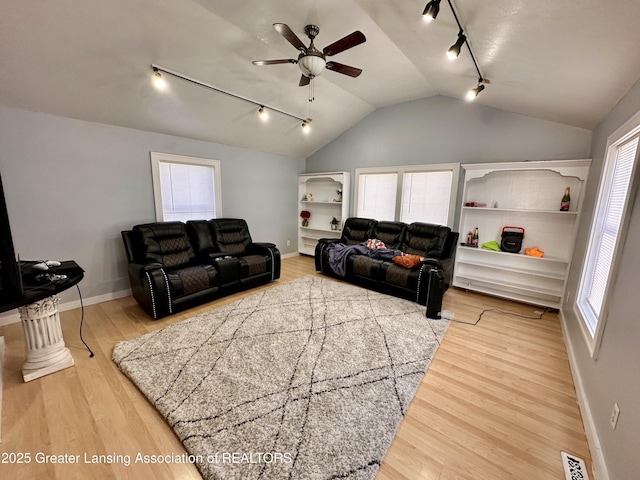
[[176, 265], [436, 243]]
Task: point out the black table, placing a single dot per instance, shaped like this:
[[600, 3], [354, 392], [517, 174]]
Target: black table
[[38, 307]]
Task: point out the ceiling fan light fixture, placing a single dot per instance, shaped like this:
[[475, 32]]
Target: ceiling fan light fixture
[[431, 10], [454, 50], [158, 81], [311, 65], [263, 113], [473, 93]]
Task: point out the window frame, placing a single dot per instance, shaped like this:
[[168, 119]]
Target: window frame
[[454, 168], [157, 158], [581, 308]]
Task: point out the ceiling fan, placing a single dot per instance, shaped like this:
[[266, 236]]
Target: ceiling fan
[[312, 61]]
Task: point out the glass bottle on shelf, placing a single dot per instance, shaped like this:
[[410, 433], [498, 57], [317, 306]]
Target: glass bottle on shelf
[[566, 201], [474, 241]]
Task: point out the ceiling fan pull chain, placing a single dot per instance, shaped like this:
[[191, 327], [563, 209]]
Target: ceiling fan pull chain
[[311, 91]]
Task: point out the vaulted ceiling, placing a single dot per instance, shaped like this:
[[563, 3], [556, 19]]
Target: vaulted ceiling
[[568, 62]]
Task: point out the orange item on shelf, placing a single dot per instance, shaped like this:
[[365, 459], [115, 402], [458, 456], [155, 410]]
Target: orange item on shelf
[[534, 252]]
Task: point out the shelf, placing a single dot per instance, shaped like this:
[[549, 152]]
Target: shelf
[[527, 288], [515, 255], [531, 299], [321, 202], [518, 210], [323, 230], [523, 271]]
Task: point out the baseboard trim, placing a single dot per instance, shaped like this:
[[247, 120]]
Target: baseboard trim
[[600, 471], [14, 316]]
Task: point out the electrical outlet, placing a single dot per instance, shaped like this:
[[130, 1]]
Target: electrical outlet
[[288, 243], [614, 416]]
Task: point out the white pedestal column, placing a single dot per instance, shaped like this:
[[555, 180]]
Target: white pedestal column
[[46, 351]]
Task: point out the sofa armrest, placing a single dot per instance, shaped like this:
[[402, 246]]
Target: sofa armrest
[[139, 269], [330, 240], [149, 288], [268, 249]]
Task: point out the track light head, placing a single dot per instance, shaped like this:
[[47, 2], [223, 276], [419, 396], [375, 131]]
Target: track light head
[[431, 10], [473, 93], [306, 127], [454, 50], [158, 81], [263, 114]]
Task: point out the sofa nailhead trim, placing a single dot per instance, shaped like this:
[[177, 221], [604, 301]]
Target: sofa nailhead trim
[[153, 297], [166, 282], [419, 282]]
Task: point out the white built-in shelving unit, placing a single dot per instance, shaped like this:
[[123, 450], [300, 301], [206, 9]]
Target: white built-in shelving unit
[[526, 195], [325, 205]]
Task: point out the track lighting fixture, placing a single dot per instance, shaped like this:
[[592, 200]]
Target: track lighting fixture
[[306, 127], [473, 93], [430, 13], [263, 111], [158, 81], [431, 10], [454, 50]]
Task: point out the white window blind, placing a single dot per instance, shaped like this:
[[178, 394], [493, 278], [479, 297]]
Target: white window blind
[[377, 195], [605, 234], [413, 193], [185, 188], [425, 197], [187, 191]]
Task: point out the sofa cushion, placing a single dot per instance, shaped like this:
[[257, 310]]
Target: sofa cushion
[[397, 275], [186, 281], [426, 240], [391, 233], [200, 235], [252, 265], [166, 243], [357, 230], [230, 235], [363, 266]]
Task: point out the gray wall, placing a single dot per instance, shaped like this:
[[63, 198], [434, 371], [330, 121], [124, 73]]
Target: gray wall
[[72, 186], [443, 130], [614, 376]]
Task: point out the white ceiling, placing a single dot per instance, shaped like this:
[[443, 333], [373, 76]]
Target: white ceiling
[[564, 61]]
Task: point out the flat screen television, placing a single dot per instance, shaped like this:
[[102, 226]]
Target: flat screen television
[[10, 278]]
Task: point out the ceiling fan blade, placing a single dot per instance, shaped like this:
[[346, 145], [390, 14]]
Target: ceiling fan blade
[[273, 62], [304, 81], [344, 69], [284, 30], [345, 43]]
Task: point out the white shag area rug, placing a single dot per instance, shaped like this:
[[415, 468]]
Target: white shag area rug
[[307, 380]]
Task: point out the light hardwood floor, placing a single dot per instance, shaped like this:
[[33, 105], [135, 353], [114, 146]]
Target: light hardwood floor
[[497, 402]]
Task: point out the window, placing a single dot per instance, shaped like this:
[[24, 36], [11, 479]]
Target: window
[[417, 193], [607, 232], [185, 188], [377, 195]]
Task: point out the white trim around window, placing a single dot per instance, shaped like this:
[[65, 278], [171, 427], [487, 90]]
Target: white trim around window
[[612, 213], [404, 193], [186, 188]]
